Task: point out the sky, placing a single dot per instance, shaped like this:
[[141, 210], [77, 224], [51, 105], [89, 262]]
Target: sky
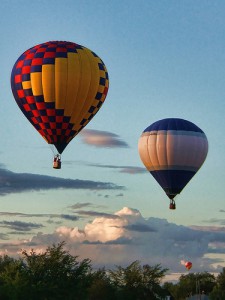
[[165, 59]]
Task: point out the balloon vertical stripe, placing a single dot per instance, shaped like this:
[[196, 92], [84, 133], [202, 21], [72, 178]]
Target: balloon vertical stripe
[[173, 150], [60, 82]]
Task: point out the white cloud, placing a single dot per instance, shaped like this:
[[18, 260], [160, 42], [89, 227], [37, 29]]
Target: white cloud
[[71, 233], [110, 229], [104, 230], [125, 236]]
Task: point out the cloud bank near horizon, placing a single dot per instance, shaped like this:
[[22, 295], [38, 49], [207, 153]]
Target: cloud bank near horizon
[[125, 236]]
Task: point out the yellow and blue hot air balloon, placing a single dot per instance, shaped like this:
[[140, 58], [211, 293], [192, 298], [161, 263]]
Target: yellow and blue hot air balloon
[[59, 86], [173, 150]]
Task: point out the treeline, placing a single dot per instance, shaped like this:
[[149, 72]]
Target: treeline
[[197, 284], [55, 274]]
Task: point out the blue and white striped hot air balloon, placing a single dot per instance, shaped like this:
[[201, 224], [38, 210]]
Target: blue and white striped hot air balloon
[[173, 150]]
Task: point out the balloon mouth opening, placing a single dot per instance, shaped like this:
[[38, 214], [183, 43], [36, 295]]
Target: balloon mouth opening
[[171, 196], [60, 147]]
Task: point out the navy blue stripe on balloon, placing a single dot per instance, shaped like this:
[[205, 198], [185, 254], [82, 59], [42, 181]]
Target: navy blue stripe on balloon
[[173, 124], [172, 181]]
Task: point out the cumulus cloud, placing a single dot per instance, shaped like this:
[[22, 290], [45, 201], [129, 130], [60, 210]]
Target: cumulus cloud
[[103, 139], [11, 182], [70, 233], [125, 236]]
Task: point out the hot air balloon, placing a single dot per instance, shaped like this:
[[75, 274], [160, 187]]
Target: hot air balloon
[[187, 264], [173, 150], [59, 86]]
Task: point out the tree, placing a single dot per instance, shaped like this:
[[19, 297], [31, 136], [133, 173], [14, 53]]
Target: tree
[[12, 280], [219, 290], [221, 279], [170, 290], [137, 282], [193, 283], [206, 282], [55, 274], [101, 287]]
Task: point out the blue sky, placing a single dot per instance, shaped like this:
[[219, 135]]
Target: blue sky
[[165, 59]]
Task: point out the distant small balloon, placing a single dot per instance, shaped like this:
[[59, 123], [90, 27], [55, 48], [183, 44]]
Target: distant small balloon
[[173, 150], [187, 264]]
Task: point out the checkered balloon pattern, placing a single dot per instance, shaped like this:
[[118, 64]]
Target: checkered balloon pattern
[[59, 86]]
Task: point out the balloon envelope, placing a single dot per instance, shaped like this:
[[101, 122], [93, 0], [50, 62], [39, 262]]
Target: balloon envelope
[[59, 86], [173, 150], [188, 265]]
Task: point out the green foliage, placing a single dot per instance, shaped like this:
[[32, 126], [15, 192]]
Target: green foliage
[[101, 287], [137, 282], [170, 290], [56, 274], [191, 284], [219, 290], [12, 279], [221, 280]]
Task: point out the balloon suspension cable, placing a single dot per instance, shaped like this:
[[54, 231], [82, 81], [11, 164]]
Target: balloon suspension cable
[[53, 149]]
